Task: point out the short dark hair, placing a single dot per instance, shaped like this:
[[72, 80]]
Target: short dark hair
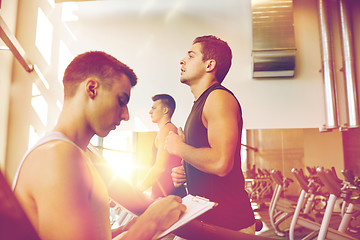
[[166, 100], [94, 64], [217, 49]]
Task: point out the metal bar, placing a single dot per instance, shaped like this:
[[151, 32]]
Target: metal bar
[[249, 147], [327, 217], [349, 69], [14, 46], [100, 148], [328, 73], [345, 220], [296, 214]]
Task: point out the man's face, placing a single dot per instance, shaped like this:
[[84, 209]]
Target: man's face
[[111, 106], [156, 111], [192, 66]]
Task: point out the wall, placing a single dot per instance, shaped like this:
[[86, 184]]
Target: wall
[[8, 14], [280, 149], [35, 98], [323, 149], [152, 38], [284, 149], [153, 42]]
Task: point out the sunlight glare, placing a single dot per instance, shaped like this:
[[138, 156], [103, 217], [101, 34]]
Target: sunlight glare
[[41, 77], [119, 140], [44, 34], [146, 6], [172, 13], [65, 58], [68, 9], [52, 3], [140, 126], [59, 104], [122, 164], [40, 105], [119, 153], [33, 136]]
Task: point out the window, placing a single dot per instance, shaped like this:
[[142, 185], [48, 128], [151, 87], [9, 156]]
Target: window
[[118, 149]]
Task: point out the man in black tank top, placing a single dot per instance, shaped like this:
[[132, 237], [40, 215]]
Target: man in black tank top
[[211, 141]]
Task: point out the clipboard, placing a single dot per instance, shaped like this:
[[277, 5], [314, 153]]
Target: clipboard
[[195, 206]]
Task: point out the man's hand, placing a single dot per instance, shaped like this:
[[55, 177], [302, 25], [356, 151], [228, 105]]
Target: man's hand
[[173, 141], [164, 212], [178, 176], [158, 217]]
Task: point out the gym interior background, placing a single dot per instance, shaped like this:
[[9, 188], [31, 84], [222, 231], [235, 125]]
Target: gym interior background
[[289, 121]]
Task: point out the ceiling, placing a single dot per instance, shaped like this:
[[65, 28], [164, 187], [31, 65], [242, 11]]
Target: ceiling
[[107, 8]]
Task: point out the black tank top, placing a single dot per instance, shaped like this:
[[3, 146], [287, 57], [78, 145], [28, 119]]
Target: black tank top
[[234, 209]]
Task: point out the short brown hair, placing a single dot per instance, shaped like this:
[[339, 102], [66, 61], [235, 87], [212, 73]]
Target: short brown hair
[[166, 100], [217, 49], [94, 64]]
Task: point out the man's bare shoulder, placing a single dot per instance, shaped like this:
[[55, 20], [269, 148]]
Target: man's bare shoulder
[[49, 174], [49, 164], [54, 152], [164, 131]]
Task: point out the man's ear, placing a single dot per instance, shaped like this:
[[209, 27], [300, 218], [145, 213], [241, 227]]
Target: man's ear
[[165, 110], [92, 85], [211, 64]]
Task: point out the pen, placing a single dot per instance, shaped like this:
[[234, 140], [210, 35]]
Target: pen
[[161, 188]]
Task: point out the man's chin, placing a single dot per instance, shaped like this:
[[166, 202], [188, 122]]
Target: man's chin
[[104, 133]]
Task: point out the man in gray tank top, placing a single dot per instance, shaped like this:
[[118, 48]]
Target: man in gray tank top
[[58, 185]]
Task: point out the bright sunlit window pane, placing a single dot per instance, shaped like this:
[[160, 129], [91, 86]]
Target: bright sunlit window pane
[[122, 163], [40, 105], [44, 36], [118, 150], [119, 140], [52, 3], [65, 58], [41, 77], [68, 12]]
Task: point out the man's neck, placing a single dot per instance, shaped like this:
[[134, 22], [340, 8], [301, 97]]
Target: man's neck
[[198, 88], [71, 125], [163, 122]]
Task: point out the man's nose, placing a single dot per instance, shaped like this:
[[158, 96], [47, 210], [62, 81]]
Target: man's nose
[[125, 114]]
